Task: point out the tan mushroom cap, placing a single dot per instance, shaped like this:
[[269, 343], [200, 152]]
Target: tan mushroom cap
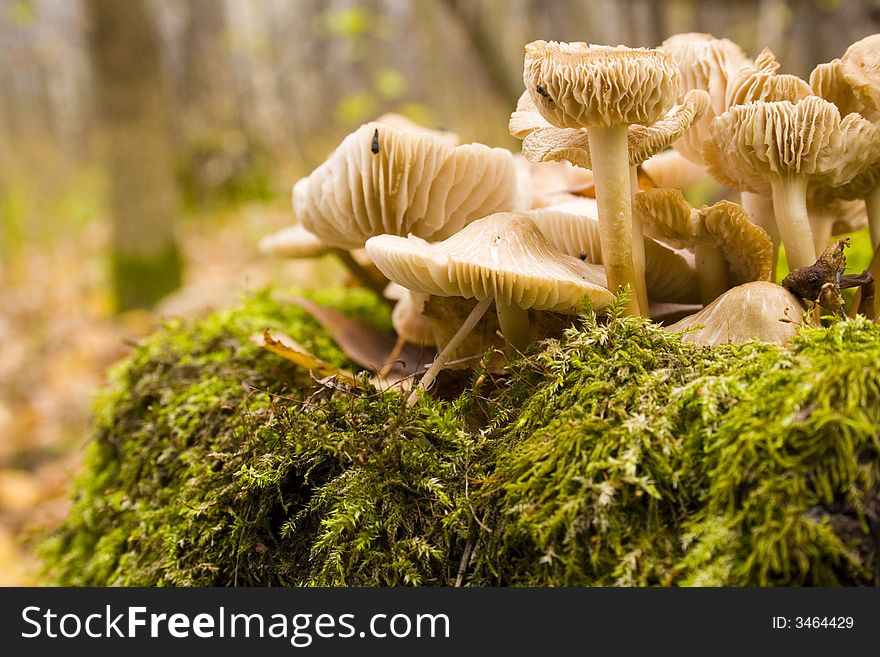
[[503, 256], [705, 63], [402, 122], [550, 144], [669, 276], [759, 310], [751, 143], [759, 81], [293, 242], [861, 69], [577, 85], [384, 180], [827, 82], [747, 249], [548, 183]]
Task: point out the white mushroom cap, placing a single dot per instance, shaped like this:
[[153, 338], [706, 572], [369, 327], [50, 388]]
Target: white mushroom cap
[[383, 180], [577, 85], [751, 143], [503, 256], [293, 242], [861, 69], [668, 275], [759, 81], [827, 82], [705, 63], [401, 122], [759, 310]]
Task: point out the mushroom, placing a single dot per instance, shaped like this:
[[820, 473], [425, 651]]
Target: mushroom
[[781, 146], [728, 247], [501, 258], [296, 242], [759, 81], [384, 180], [293, 242], [669, 276], [827, 81], [860, 66], [759, 310], [705, 63], [605, 90], [407, 318]]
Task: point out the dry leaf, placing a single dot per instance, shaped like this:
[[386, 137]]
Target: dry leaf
[[286, 347], [366, 345]]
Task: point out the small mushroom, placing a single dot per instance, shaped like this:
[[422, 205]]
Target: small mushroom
[[296, 242], [293, 242], [384, 180], [501, 258], [781, 147], [759, 310], [729, 248], [605, 90], [830, 215]]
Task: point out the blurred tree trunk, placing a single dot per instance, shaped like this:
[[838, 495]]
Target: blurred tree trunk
[[134, 120]]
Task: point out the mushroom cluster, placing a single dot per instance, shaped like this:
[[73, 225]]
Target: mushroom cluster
[[593, 205]]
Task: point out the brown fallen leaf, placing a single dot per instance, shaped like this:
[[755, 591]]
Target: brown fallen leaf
[[369, 347], [288, 348]]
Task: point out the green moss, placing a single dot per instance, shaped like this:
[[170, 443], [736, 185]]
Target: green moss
[[617, 455]]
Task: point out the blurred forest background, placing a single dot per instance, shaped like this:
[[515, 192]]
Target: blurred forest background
[[147, 145]]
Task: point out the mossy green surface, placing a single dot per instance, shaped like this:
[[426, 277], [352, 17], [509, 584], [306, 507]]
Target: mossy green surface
[[618, 455]]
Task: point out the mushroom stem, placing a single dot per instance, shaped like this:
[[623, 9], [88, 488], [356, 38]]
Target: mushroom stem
[[760, 209], [790, 204], [872, 206], [360, 273], [638, 242], [822, 223], [514, 323], [446, 353], [609, 152], [711, 270]]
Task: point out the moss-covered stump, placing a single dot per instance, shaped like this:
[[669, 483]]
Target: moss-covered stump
[[616, 456]]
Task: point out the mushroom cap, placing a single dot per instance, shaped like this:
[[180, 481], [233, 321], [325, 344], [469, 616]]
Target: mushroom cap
[[668, 275], [293, 242], [672, 169], [402, 122], [551, 144], [759, 81], [526, 118], [861, 69], [384, 180], [503, 256], [747, 249], [759, 310], [408, 319], [750, 144], [827, 82], [577, 85], [705, 63]]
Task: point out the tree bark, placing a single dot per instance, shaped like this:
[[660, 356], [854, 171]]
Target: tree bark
[[133, 105]]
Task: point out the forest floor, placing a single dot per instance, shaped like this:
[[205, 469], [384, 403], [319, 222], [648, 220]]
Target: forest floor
[[58, 336]]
